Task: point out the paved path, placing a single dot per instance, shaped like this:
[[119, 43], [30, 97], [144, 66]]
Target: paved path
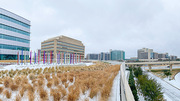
[[170, 93]]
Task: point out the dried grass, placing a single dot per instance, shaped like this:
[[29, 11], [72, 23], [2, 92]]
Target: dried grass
[[47, 76], [14, 87], [1, 89], [43, 94], [21, 91], [31, 96], [7, 94], [18, 98], [7, 82], [56, 81], [49, 84], [32, 76]]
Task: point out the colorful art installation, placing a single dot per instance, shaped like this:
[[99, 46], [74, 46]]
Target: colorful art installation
[[34, 57], [64, 57], [17, 58], [22, 57], [30, 56]]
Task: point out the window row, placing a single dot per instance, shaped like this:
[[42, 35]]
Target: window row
[[70, 47], [48, 46], [14, 29], [69, 44], [13, 38], [69, 50], [12, 47], [14, 20], [47, 42]]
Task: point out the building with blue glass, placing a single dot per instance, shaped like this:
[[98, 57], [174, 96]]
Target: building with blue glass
[[14, 35], [117, 55]]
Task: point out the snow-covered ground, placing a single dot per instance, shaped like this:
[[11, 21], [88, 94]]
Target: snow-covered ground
[[175, 82], [170, 92], [160, 67], [115, 91], [14, 67]]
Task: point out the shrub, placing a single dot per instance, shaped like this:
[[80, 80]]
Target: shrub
[[7, 82], [150, 89], [17, 80], [64, 79], [18, 98], [14, 87], [7, 94], [66, 85], [47, 76], [40, 82], [30, 88], [43, 94], [71, 79], [21, 91], [41, 76], [132, 85], [56, 81], [57, 96], [71, 97], [31, 96], [1, 89], [49, 84], [138, 71], [167, 72], [63, 90], [93, 92], [32, 76]]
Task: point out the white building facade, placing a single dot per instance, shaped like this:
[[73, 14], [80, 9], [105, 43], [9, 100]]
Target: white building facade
[[14, 35]]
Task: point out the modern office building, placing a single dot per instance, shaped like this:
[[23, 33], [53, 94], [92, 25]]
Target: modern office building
[[145, 53], [155, 55], [161, 56], [14, 35], [117, 55], [63, 44], [92, 56], [172, 57], [104, 56]]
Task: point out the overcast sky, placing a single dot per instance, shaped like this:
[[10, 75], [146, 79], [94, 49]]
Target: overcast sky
[[104, 24]]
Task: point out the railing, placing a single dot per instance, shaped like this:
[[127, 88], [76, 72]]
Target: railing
[[126, 93]]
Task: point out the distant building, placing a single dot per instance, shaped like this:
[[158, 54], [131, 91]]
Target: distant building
[[155, 55], [104, 56], [161, 56], [117, 55], [92, 56], [63, 45], [172, 57], [14, 35], [145, 53]]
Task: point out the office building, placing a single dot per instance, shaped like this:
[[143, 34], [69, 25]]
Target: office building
[[145, 53], [155, 55], [63, 44], [92, 56], [117, 55], [161, 56], [14, 35], [172, 57], [104, 56]]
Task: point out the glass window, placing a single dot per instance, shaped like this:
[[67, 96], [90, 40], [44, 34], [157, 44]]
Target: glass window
[[14, 29], [14, 20]]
